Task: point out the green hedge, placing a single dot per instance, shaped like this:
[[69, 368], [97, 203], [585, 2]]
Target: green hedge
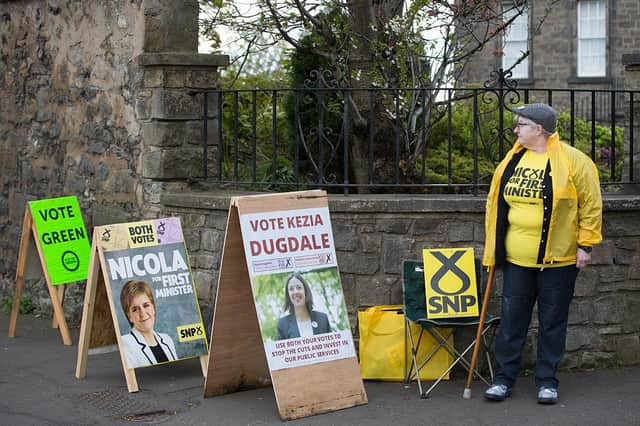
[[488, 146], [435, 154]]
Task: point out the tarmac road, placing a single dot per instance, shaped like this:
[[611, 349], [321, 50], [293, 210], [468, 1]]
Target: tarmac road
[[38, 387]]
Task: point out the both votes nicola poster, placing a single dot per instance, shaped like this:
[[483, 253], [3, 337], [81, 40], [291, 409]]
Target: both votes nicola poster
[[153, 294], [291, 259]]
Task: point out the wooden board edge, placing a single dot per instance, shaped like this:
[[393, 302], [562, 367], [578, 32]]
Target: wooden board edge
[[86, 325], [20, 270], [129, 373], [58, 313], [282, 201], [255, 373], [346, 391]]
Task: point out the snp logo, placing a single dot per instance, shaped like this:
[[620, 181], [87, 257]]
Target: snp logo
[[189, 332], [450, 283]]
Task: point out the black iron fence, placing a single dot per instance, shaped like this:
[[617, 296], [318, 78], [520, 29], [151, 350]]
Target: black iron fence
[[409, 140]]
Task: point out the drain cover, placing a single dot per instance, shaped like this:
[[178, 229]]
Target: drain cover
[[126, 407]]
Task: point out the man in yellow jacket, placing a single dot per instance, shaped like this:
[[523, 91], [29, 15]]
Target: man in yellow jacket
[[543, 216]]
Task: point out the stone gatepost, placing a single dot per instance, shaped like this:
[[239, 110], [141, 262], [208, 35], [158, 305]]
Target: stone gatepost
[[168, 107], [170, 78], [631, 63]]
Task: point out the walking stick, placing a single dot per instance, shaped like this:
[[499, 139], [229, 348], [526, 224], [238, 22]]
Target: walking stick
[[485, 302]]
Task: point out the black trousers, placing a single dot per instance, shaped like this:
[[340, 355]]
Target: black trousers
[[552, 289]]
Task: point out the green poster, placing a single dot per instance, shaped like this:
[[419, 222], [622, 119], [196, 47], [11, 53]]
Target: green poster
[[63, 238]]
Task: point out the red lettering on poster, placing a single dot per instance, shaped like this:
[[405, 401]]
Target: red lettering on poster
[[289, 244]]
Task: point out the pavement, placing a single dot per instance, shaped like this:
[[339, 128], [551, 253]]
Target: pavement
[[38, 387]]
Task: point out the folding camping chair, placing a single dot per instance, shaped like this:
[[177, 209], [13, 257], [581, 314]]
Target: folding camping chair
[[440, 329]]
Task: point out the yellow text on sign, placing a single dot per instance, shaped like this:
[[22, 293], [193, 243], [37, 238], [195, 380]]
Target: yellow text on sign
[[189, 332], [450, 283]]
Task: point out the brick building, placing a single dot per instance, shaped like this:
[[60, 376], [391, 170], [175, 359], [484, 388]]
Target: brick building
[[571, 43], [582, 49]]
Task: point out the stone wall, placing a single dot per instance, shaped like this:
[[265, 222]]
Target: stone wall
[[374, 234], [67, 118], [96, 101], [631, 61]]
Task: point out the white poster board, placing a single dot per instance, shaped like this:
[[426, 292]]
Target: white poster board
[[279, 259]]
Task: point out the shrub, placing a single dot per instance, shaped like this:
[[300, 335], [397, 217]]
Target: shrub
[[602, 148], [488, 146], [26, 305]]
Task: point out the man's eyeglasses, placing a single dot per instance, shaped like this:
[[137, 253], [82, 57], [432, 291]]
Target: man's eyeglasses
[[523, 124]]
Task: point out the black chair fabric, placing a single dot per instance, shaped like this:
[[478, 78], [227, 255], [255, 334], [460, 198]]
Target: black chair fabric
[[415, 301], [415, 307]]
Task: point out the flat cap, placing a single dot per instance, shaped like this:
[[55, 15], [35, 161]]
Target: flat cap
[[541, 114]]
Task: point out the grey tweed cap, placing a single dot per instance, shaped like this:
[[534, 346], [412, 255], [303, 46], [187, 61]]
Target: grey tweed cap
[[541, 114]]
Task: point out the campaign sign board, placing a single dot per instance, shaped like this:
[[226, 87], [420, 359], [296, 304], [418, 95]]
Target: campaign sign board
[[450, 283], [63, 238], [280, 313], [288, 248], [153, 297]]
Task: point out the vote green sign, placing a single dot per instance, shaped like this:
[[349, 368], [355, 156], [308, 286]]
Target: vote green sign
[[63, 238]]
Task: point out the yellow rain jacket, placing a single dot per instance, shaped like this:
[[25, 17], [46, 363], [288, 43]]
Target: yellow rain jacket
[[573, 205]]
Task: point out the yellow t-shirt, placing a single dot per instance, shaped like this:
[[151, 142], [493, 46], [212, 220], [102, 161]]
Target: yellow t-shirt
[[523, 193]]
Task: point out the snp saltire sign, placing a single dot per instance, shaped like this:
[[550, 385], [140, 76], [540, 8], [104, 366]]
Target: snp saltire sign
[[450, 283]]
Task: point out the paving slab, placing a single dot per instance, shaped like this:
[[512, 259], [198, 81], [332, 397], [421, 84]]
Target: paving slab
[[38, 387]]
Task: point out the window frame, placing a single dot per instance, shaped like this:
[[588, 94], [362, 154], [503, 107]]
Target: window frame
[[526, 64], [581, 73]]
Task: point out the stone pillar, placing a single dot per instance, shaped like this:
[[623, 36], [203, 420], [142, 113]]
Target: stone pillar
[[169, 99], [631, 63], [170, 111], [170, 26], [169, 105]]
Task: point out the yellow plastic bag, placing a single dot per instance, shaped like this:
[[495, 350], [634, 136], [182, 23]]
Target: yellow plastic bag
[[381, 346]]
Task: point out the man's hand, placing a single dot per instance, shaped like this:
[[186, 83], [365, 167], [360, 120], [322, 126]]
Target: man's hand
[[582, 258]]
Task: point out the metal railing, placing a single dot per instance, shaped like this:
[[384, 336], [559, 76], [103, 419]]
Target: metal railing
[[409, 140]]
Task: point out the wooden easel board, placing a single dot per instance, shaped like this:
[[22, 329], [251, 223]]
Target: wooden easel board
[[62, 238], [54, 244], [140, 294], [275, 243]]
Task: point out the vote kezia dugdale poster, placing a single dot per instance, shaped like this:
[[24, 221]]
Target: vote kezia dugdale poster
[[296, 285], [153, 294]]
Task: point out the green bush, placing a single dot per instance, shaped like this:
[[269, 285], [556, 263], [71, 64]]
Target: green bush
[[582, 141], [246, 85], [283, 173], [26, 305], [462, 150], [307, 69], [488, 147]]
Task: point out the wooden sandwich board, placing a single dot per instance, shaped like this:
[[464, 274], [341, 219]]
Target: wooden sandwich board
[[53, 244], [269, 239], [146, 259]]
